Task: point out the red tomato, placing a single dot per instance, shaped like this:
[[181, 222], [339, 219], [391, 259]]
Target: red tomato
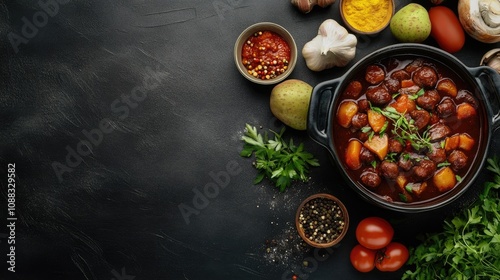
[[446, 29], [374, 233], [362, 258], [392, 257]]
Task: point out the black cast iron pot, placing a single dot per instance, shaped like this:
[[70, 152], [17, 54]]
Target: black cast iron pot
[[484, 81]]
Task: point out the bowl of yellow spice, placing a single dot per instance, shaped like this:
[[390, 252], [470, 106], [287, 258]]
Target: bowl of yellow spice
[[367, 17]]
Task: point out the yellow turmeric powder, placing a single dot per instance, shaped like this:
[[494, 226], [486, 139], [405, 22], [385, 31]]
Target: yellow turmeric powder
[[367, 15]]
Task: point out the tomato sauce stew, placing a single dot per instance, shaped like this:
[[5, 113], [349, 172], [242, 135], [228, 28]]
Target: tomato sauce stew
[[266, 55], [407, 128]]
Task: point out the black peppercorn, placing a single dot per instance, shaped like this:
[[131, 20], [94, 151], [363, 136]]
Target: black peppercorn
[[322, 220]]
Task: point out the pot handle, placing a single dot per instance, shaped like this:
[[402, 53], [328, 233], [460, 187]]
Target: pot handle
[[489, 83], [320, 105]]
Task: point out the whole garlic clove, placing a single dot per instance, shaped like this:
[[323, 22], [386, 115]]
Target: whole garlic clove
[[333, 46], [480, 19], [492, 59], [306, 6]]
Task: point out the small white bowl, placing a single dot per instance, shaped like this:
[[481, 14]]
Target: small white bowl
[[265, 26]]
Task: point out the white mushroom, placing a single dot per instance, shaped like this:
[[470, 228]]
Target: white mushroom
[[480, 19]]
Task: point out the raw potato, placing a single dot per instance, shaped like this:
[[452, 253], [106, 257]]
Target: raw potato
[[290, 103], [411, 24]]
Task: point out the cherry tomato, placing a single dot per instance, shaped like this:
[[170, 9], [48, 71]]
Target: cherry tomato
[[362, 258], [374, 233], [392, 257], [446, 29]]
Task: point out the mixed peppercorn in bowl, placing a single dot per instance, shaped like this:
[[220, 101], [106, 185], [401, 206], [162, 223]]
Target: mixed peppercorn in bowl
[[265, 53]]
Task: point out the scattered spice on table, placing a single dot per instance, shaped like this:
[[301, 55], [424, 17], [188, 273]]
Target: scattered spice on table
[[286, 248]]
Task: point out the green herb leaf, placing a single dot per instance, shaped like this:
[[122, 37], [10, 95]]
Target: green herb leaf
[[404, 129], [468, 247], [278, 160]]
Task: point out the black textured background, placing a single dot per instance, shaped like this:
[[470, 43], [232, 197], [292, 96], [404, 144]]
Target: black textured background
[[114, 212]]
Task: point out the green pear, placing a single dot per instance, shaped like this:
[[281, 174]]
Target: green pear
[[290, 103], [411, 24]]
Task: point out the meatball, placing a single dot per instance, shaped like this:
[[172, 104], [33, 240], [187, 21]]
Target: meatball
[[363, 136], [366, 156], [405, 162], [446, 108], [395, 146], [438, 132], [425, 77], [424, 170], [378, 95], [359, 120], [374, 74], [414, 65], [437, 154], [353, 90], [409, 90], [400, 75], [363, 105], [370, 178], [392, 85], [390, 170], [464, 96], [429, 99], [421, 118], [457, 160]]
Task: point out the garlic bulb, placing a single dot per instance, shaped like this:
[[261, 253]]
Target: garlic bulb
[[306, 6], [480, 19], [492, 59], [333, 46]]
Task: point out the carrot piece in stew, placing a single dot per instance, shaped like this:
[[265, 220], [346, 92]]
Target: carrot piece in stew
[[404, 104], [465, 110], [353, 151], [346, 111], [466, 142]]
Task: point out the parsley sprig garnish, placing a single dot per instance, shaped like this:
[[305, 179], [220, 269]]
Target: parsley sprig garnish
[[278, 160], [469, 245], [404, 128]]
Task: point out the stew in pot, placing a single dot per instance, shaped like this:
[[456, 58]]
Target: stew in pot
[[407, 128]]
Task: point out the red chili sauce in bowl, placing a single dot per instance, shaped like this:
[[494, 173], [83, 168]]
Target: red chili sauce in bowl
[[266, 55], [407, 129]]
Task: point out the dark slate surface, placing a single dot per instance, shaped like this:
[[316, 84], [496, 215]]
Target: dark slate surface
[[117, 114]]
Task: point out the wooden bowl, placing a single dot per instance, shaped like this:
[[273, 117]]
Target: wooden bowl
[[332, 220]]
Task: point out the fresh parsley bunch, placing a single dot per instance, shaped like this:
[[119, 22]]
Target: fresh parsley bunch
[[280, 161], [469, 245]]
